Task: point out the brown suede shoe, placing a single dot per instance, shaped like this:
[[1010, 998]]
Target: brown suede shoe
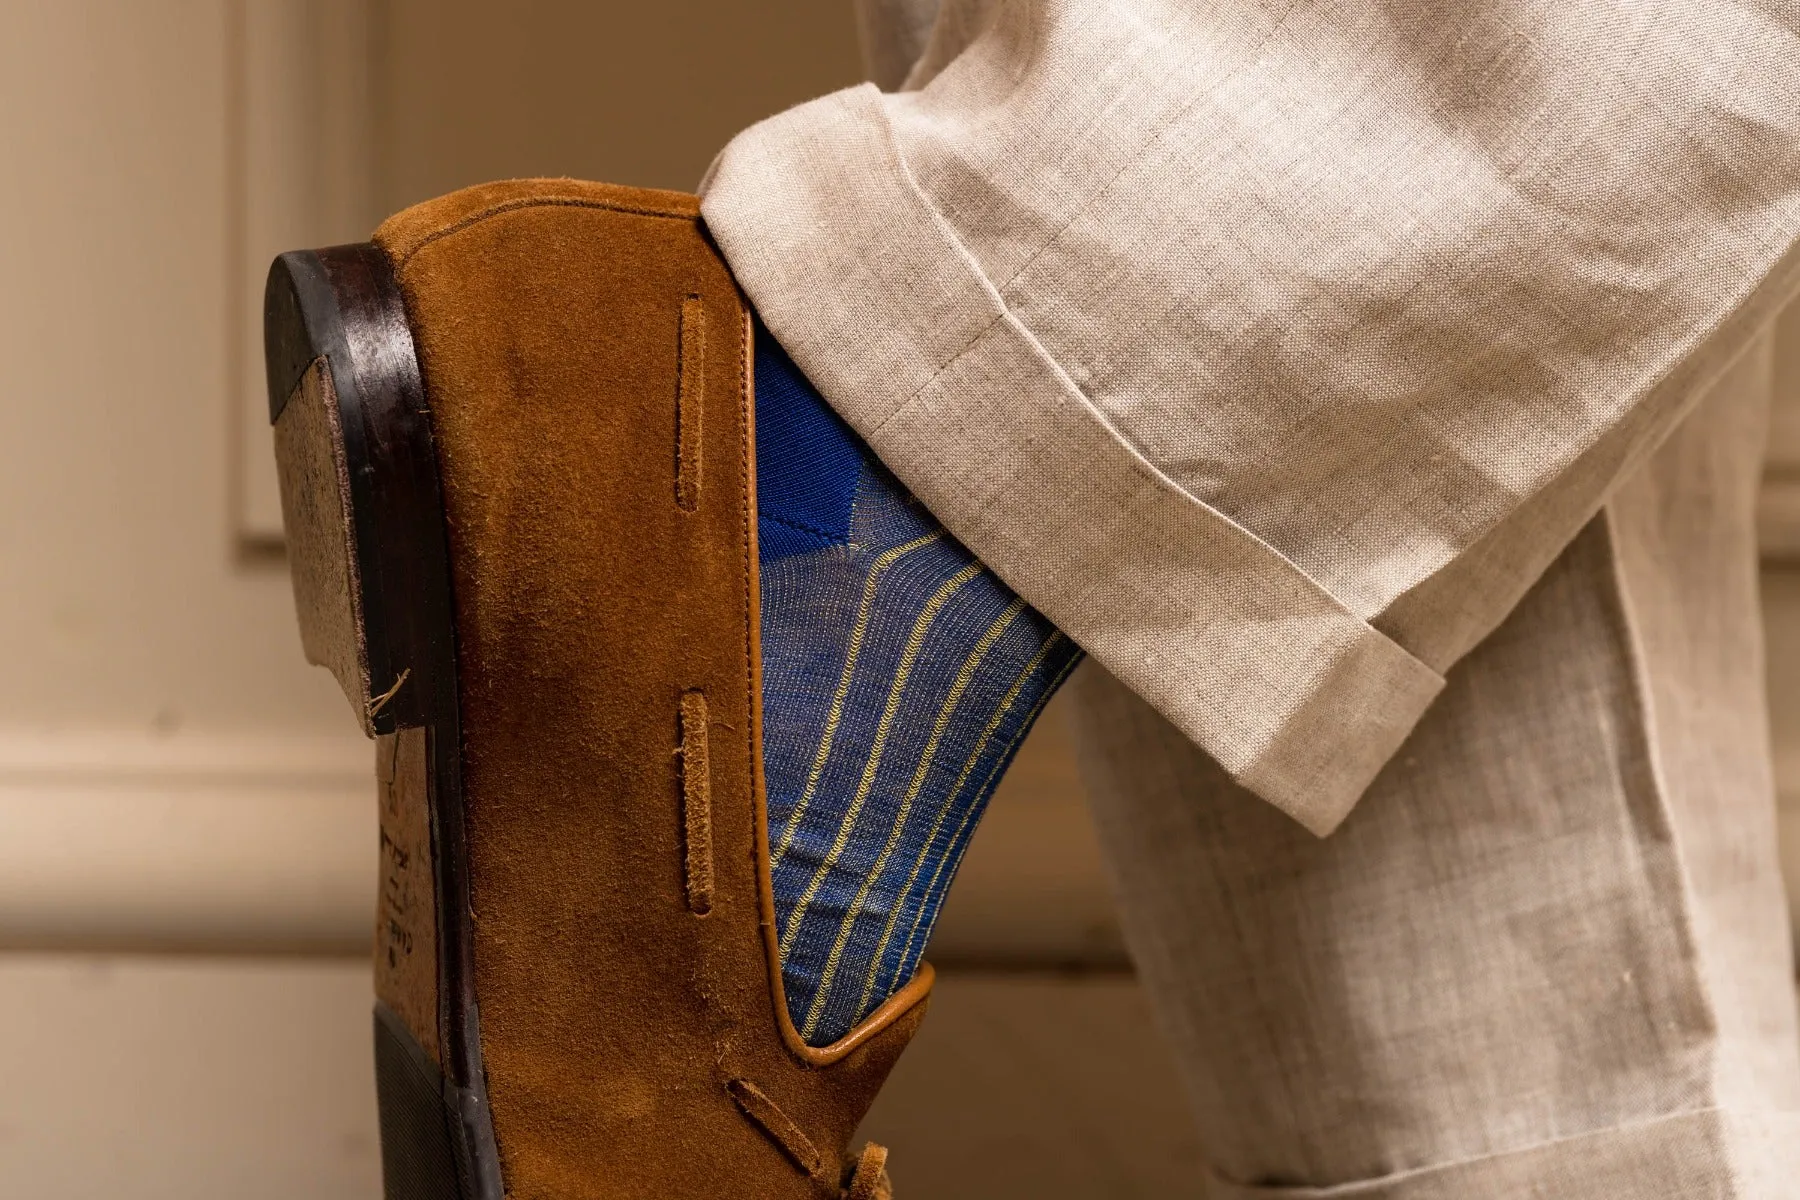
[[514, 437]]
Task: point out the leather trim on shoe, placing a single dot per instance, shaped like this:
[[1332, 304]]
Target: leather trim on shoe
[[918, 989]]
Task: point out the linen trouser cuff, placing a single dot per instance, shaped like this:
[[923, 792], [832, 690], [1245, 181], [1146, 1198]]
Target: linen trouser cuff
[[868, 289]]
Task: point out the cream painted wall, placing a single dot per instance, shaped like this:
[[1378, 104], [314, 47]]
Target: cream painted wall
[[124, 609], [154, 714]]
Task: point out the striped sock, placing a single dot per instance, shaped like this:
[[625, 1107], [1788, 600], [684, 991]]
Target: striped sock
[[899, 677]]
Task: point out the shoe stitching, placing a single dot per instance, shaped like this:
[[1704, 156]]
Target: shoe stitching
[[539, 202], [696, 802], [754, 1103], [690, 402]]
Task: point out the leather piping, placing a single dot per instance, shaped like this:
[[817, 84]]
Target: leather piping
[[682, 207]]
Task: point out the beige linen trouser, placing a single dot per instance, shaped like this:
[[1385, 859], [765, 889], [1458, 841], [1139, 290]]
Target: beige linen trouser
[[1375, 389], [1547, 955]]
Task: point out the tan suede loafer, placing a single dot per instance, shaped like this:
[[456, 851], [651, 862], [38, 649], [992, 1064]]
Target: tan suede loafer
[[514, 436]]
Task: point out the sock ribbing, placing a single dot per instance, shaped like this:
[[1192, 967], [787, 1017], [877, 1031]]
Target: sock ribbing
[[899, 678]]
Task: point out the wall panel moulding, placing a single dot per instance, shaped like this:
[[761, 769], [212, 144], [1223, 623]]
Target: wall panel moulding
[[136, 842], [301, 173]]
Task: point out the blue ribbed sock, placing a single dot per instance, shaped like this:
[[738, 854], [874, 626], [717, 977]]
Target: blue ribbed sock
[[899, 677]]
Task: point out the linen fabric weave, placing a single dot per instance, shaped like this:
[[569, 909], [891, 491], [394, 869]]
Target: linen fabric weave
[[1548, 954], [1272, 349]]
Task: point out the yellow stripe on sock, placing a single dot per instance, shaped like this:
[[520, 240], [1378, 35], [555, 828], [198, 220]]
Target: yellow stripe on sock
[[1012, 698], [835, 713], [963, 677], [914, 642]]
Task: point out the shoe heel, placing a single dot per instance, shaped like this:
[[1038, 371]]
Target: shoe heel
[[317, 514], [358, 480], [369, 557]]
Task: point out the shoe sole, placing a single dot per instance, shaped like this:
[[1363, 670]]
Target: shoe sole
[[367, 544]]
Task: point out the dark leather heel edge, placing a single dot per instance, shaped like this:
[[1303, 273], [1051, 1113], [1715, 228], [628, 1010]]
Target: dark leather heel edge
[[339, 313], [424, 1147], [342, 305]]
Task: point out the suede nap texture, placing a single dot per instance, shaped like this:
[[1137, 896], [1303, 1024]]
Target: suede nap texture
[[604, 565]]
